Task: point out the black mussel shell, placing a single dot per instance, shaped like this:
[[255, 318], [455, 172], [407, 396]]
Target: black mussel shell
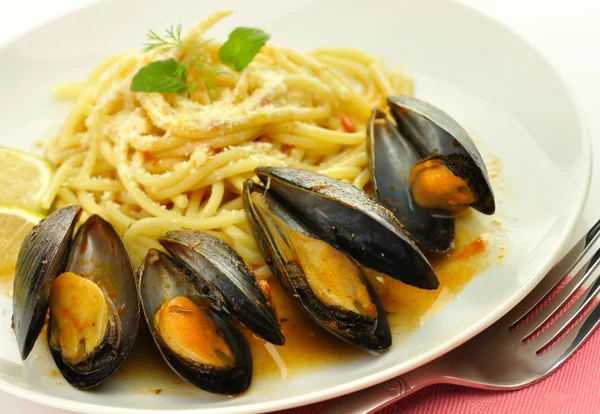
[[434, 134], [391, 158], [40, 260], [98, 254], [372, 334], [352, 221], [227, 280], [160, 279]]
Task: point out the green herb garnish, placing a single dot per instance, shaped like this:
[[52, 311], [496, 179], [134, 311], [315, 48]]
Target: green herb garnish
[[171, 40], [241, 47], [172, 76], [161, 76]]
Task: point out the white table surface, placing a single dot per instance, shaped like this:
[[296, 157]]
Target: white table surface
[[566, 32]]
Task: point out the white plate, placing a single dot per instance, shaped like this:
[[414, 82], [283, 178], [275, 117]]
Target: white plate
[[480, 72]]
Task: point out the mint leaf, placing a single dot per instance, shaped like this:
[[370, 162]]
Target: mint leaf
[[241, 47], [161, 76]]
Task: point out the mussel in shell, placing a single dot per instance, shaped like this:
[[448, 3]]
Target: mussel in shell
[[426, 169], [88, 282], [191, 299], [327, 283], [198, 342], [391, 159]]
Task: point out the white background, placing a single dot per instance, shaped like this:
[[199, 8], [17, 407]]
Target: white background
[[566, 32]]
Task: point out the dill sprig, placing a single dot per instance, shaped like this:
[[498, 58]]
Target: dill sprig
[[171, 40]]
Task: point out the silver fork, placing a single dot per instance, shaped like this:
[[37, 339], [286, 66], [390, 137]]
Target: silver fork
[[503, 357]]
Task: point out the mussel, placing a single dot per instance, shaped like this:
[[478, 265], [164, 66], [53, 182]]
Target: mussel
[[426, 169], [326, 282], [89, 287], [190, 300], [196, 341]]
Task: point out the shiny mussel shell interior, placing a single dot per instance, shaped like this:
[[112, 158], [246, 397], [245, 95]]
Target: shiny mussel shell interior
[[226, 279], [89, 282], [352, 221], [197, 342], [391, 158], [436, 136], [326, 282], [98, 255]]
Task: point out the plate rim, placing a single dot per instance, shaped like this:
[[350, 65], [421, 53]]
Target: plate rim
[[579, 197]]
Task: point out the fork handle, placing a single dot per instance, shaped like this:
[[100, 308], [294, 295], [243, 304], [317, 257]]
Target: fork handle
[[372, 399]]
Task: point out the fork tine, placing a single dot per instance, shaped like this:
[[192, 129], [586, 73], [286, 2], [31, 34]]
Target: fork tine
[[557, 328], [582, 272], [573, 263], [571, 342]]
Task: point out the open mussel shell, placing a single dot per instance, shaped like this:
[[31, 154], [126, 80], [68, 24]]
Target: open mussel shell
[[96, 259], [40, 260], [226, 279], [351, 220], [160, 280], [434, 134], [326, 282], [99, 255], [391, 158]]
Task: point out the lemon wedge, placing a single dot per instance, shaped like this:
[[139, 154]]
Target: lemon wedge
[[24, 179], [16, 223]]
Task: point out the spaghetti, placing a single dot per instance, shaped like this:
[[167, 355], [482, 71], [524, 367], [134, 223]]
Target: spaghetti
[[152, 162]]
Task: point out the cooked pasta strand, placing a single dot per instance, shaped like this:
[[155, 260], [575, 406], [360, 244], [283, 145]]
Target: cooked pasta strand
[[152, 162]]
